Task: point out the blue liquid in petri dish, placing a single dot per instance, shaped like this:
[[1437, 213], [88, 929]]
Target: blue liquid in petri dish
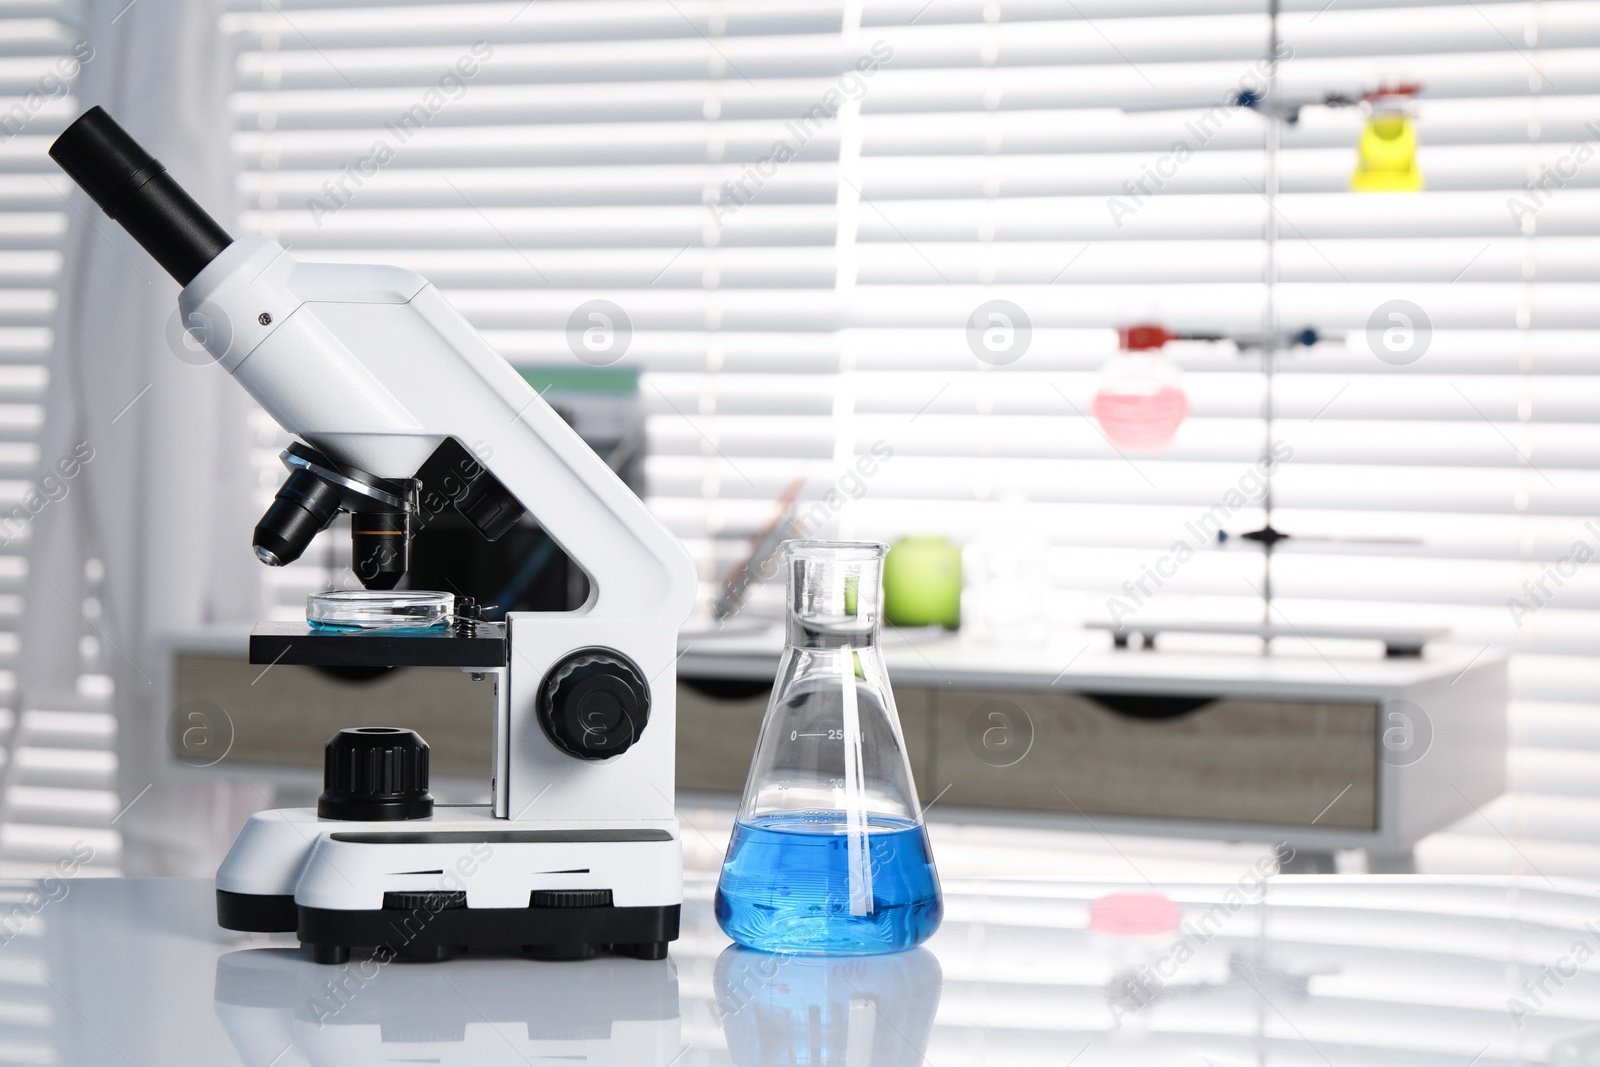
[[785, 886], [395, 630]]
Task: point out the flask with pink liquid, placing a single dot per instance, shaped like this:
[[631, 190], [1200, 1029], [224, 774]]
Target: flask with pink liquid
[[1140, 402]]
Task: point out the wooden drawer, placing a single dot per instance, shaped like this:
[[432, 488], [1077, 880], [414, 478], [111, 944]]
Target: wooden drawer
[[284, 716], [1243, 761], [1263, 762], [718, 723]]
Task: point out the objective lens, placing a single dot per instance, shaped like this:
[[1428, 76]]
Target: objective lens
[[380, 547], [304, 506]]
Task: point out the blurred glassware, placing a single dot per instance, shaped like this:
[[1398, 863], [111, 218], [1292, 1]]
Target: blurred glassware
[[1008, 573], [1133, 931], [1140, 402], [1386, 156]]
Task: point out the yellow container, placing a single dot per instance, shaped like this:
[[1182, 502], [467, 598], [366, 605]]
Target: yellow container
[[1387, 157]]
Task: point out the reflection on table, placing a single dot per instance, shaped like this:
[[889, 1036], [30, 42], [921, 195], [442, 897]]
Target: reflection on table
[[279, 1007], [784, 1009], [1272, 972]]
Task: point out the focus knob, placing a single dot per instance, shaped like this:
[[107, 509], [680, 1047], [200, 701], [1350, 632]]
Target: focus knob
[[594, 704], [375, 773]]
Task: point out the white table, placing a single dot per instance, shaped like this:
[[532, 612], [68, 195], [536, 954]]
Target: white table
[[1329, 972]]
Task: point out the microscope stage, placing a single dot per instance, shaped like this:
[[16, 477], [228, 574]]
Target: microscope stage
[[298, 643]]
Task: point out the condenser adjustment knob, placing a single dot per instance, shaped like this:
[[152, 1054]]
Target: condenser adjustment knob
[[375, 773], [594, 704]]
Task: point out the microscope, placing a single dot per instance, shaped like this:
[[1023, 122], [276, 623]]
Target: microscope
[[373, 372]]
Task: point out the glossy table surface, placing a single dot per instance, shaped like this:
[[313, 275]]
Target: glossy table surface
[[1329, 971]]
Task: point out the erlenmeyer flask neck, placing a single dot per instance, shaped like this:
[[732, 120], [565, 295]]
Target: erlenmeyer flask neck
[[835, 593]]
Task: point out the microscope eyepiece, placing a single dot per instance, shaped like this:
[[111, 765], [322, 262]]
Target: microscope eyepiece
[[133, 188]]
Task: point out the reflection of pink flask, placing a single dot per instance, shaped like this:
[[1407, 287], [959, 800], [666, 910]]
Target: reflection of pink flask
[[1140, 403]]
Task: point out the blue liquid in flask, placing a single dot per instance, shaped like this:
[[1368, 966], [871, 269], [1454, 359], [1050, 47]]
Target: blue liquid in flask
[[786, 885]]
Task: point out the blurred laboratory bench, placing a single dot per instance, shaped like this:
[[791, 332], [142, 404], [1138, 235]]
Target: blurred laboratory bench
[[1286, 970], [1327, 753]]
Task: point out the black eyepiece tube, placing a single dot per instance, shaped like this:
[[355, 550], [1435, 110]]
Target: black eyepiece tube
[[136, 190]]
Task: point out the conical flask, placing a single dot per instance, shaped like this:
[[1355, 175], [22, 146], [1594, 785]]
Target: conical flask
[[829, 855]]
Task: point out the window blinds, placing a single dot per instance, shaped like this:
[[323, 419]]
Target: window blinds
[[799, 206], [56, 763]]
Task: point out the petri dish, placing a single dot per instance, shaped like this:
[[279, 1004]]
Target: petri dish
[[373, 609]]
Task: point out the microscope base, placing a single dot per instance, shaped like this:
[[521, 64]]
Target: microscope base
[[540, 933], [459, 881], [440, 929]]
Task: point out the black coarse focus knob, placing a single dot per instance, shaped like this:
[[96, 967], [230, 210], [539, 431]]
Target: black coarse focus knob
[[594, 704], [375, 773]]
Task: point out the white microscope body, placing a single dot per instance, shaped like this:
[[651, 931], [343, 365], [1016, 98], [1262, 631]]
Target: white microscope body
[[374, 369]]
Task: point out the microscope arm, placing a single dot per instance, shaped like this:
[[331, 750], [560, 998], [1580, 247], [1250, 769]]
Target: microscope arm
[[373, 367]]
